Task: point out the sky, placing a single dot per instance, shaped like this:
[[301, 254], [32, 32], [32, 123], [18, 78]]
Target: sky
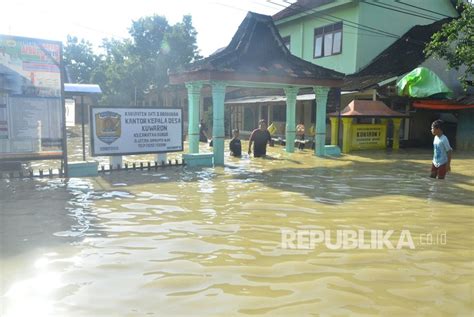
[[215, 20]]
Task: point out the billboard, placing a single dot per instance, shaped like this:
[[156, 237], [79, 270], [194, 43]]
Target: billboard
[[126, 131], [31, 110]]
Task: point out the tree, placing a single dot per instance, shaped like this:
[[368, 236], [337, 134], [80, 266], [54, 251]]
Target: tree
[[79, 59], [129, 68], [455, 42], [157, 47], [113, 74]]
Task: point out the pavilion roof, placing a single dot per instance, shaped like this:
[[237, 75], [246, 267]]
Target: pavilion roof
[[257, 54]]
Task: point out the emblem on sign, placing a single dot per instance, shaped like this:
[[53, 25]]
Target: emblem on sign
[[107, 126]]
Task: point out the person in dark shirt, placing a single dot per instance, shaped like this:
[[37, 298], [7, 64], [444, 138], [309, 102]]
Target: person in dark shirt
[[203, 137], [259, 138], [235, 146]]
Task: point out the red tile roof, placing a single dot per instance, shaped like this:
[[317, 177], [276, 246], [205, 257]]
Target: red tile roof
[[367, 108]]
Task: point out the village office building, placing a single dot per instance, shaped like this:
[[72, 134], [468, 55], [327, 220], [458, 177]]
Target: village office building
[[329, 34]]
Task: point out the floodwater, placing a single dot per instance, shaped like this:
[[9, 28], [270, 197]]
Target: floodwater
[[209, 242]]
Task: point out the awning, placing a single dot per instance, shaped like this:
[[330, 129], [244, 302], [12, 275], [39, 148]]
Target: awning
[[440, 105], [273, 99], [81, 89], [267, 99]]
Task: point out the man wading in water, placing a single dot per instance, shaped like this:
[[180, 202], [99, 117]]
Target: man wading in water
[[259, 137]]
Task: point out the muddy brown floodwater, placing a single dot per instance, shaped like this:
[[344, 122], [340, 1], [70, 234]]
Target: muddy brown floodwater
[[209, 242]]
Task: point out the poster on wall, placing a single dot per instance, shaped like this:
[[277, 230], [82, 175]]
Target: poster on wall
[[369, 136], [126, 131], [31, 112], [70, 106]]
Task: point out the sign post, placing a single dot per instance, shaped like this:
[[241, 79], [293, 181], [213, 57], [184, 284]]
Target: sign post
[[117, 131]]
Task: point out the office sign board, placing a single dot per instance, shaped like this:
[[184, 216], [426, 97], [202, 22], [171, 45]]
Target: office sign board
[[31, 109], [369, 136], [127, 131]]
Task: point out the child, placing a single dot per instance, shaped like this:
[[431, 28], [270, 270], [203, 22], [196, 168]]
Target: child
[[442, 151], [300, 135], [235, 146]]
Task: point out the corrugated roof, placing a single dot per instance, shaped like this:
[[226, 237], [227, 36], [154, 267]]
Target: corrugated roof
[[270, 99], [267, 99], [82, 89], [257, 53]]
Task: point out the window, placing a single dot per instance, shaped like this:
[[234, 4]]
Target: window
[[279, 113], [328, 40], [249, 118], [287, 42]]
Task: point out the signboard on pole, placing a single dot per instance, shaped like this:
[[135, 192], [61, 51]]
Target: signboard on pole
[[132, 130], [31, 111], [369, 136]]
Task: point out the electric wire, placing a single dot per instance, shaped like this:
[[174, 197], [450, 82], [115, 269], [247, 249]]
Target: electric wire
[[347, 23], [421, 8]]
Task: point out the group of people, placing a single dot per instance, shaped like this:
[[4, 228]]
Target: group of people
[[260, 137]]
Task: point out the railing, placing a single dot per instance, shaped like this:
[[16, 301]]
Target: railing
[[50, 173]]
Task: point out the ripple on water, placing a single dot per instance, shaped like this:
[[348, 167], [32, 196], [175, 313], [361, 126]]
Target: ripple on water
[[209, 241]]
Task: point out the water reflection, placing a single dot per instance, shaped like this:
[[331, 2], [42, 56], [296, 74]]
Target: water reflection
[[208, 242]]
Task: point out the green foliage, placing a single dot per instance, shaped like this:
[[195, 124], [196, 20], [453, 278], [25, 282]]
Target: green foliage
[[129, 68], [79, 58], [455, 42]]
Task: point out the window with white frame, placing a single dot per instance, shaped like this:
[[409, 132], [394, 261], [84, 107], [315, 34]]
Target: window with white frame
[[328, 40]]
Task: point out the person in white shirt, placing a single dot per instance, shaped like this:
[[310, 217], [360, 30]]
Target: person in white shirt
[[442, 151]]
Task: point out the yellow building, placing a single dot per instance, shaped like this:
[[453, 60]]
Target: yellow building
[[364, 125]]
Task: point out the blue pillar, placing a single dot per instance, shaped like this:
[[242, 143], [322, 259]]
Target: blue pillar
[[290, 131], [194, 96], [218, 134], [321, 103]]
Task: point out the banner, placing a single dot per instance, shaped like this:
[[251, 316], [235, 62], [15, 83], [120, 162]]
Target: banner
[[369, 136], [31, 112], [126, 131]]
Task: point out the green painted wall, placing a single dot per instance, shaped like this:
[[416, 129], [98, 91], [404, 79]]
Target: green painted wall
[[370, 45], [301, 32], [359, 46]]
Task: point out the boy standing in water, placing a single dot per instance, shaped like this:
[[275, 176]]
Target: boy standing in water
[[442, 151]]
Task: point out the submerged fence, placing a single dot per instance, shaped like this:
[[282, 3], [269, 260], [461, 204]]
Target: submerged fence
[[50, 172]]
